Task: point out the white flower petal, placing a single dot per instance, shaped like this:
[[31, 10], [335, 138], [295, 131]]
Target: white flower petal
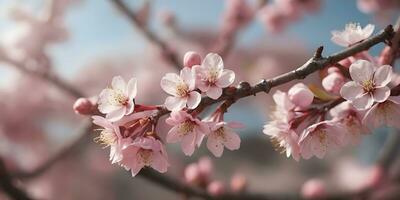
[[194, 100], [383, 75], [226, 79], [361, 71], [363, 102], [381, 94], [118, 83], [175, 103], [132, 88], [351, 90], [214, 92]]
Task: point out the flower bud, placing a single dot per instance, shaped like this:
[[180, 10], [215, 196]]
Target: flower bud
[[238, 183], [205, 167], [300, 95], [192, 173], [333, 82], [191, 59], [216, 188], [83, 106], [313, 189]]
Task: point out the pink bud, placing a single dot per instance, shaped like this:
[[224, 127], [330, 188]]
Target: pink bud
[[386, 57], [376, 177], [216, 188], [333, 70], [205, 167], [300, 95], [238, 183], [83, 106], [191, 59], [313, 189], [345, 62], [192, 173], [333, 82]]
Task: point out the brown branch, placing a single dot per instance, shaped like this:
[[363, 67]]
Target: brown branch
[[65, 151], [53, 79], [8, 186], [317, 62], [166, 51]]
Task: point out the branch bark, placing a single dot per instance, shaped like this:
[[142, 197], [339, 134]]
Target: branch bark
[[8, 186]]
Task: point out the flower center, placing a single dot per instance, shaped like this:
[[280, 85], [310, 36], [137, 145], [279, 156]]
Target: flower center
[[212, 76], [182, 90], [187, 127], [118, 98], [145, 155], [322, 137], [368, 85], [220, 133], [106, 138]]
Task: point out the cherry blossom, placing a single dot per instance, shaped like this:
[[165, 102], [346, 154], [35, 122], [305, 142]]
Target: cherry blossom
[[145, 152], [222, 134], [186, 129], [300, 95], [118, 100], [182, 90], [319, 137], [191, 59], [283, 138], [352, 34], [111, 136], [212, 77], [333, 82], [385, 113], [351, 120], [368, 85]]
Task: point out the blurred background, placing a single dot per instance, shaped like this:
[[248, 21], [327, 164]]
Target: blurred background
[[87, 42]]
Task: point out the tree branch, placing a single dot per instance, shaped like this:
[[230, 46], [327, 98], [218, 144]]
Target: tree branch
[[317, 62], [7, 185], [166, 51]]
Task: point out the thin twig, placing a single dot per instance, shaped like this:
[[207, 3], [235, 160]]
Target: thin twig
[[170, 55], [8, 186]]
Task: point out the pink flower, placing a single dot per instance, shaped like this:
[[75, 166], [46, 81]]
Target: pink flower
[[283, 138], [111, 136], [192, 173], [351, 120], [181, 88], [221, 135], [187, 129], [118, 100], [385, 113], [216, 188], [313, 189], [145, 152], [212, 77], [83, 106], [333, 82], [191, 59], [319, 137], [238, 183], [369, 84], [352, 34], [300, 95], [284, 107]]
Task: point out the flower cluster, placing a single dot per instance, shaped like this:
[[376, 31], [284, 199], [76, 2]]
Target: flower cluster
[[306, 124], [129, 128]]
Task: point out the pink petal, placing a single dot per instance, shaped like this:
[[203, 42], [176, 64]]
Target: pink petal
[[226, 79], [383, 75], [175, 103], [232, 140], [118, 83], [116, 114], [174, 135], [338, 38], [213, 60], [305, 148], [351, 90], [214, 92], [381, 94], [368, 30], [159, 162], [373, 119], [281, 99], [318, 148], [215, 146], [135, 168], [130, 108], [188, 77], [300, 95], [101, 121], [363, 102], [188, 143], [132, 88], [361, 71], [194, 100], [203, 128], [169, 82], [203, 86]]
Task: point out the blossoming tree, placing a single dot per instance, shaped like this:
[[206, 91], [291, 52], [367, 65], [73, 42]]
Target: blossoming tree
[[359, 93]]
